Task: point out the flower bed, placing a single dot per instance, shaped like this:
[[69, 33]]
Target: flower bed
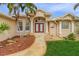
[[16, 44]]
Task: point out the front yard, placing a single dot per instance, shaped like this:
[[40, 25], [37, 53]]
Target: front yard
[[62, 48]]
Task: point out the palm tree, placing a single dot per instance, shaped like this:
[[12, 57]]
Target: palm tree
[[14, 8], [26, 7], [77, 5]]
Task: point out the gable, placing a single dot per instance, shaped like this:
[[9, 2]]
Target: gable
[[38, 13], [41, 13], [69, 16]]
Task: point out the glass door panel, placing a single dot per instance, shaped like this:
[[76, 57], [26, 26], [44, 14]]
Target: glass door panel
[[36, 27], [41, 27]]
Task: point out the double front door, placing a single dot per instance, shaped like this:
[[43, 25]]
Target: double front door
[[39, 27]]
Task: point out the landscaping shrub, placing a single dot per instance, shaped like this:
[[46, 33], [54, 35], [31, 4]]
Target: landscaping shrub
[[65, 38], [71, 36], [3, 27]]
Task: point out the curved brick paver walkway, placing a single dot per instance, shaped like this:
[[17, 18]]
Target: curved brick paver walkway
[[37, 49]]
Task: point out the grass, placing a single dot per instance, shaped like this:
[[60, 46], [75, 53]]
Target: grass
[[62, 48]]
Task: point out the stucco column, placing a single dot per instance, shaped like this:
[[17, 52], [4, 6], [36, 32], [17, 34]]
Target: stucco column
[[31, 26], [46, 27], [60, 32], [72, 26]]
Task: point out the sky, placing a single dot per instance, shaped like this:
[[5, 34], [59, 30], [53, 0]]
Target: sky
[[55, 9]]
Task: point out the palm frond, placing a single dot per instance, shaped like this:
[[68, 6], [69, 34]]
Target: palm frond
[[14, 8], [76, 6], [31, 7]]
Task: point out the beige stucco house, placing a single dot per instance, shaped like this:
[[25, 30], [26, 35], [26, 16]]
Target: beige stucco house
[[41, 23]]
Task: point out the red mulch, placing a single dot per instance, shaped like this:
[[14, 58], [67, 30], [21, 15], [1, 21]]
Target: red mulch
[[19, 44]]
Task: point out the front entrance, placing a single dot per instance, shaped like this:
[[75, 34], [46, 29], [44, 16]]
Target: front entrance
[[39, 27]]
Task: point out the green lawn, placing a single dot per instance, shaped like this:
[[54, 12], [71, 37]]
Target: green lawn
[[62, 48]]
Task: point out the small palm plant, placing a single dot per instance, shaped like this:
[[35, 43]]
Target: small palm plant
[[3, 27]]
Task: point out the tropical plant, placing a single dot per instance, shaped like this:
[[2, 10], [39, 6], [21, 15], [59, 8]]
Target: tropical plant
[[71, 36], [24, 7], [3, 27], [16, 8], [76, 6]]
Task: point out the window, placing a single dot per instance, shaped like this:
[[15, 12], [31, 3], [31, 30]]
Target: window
[[27, 26], [23, 25], [65, 24], [20, 26]]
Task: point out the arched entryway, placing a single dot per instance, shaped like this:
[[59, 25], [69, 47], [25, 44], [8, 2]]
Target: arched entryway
[[39, 25]]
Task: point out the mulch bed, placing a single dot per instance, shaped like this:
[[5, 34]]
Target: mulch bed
[[16, 44]]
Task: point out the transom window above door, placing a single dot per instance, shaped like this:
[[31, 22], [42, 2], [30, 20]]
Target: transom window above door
[[39, 19]]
